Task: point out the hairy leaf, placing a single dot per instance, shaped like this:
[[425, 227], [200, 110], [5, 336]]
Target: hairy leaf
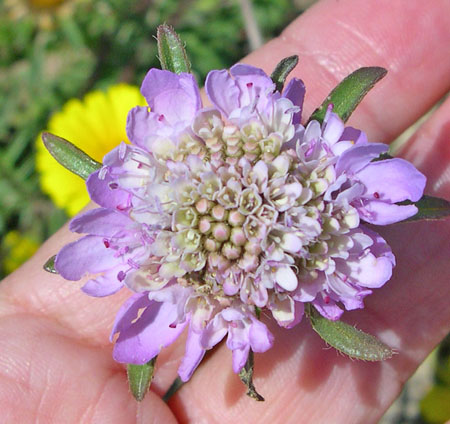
[[140, 377], [70, 156], [282, 70], [431, 208], [171, 51], [349, 93], [347, 339]]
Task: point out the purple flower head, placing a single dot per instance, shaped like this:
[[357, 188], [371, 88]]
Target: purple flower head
[[212, 214]]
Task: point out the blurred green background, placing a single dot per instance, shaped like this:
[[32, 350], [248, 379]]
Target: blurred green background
[[54, 50]]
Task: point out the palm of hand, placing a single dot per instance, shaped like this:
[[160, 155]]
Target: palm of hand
[[55, 354]]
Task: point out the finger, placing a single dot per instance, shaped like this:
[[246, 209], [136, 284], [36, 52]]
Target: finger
[[419, 301], [335, 38], [45, 376], [32, 290], [429, 150], [317, 72]]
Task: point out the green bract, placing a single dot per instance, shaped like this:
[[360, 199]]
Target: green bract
[[172, 54], [70, 156], [431, 208], [49, 266], [347, 339], [140, 377], [282, 70], [349, 93]]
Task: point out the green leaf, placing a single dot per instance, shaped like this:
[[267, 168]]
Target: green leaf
[[349, 93], [246, 376], [49, 266], [171, 51], [430, 208], [70, 156], [282, 70], [347, 339], [383, 156], [140, 377]]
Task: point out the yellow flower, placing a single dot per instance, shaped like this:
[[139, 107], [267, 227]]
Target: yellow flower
[[43, 4], [17, 248], [42, 11], [96, 125]]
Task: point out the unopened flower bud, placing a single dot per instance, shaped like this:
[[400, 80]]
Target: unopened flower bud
[[204, 225], [202, 206], [221, 231], [234, 151], [320, 248], [218, 213], [214, 144], [319, 186], [351, 218], [211, 245], [235, 218], [331, 225], [238, 236]]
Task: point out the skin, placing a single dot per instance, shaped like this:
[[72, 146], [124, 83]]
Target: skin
[[55, 357]]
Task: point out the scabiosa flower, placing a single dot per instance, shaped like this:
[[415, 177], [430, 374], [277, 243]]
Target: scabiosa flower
[[212, 214]]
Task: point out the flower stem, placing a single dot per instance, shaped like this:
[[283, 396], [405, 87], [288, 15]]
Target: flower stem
[[174, 387]]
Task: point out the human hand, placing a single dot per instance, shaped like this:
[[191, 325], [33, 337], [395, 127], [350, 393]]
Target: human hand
[[55, 354]]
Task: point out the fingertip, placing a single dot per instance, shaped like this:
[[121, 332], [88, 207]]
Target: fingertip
[[429, 150], [334, 38], [152, 410]]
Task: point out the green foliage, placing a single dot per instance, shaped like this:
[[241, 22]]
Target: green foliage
[[347, 95], [49, 266]]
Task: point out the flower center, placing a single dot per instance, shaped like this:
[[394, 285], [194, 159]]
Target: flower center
[[232, 206]]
